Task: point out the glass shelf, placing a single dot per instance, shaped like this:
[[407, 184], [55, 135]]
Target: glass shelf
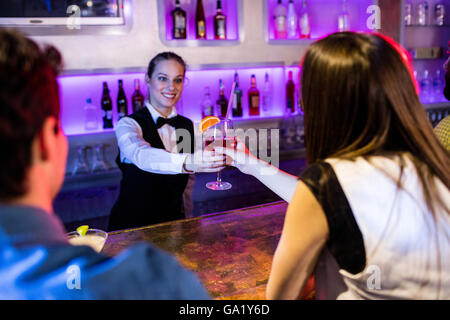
[[232, 9], [284, 42], [426, 26], [323, 19]]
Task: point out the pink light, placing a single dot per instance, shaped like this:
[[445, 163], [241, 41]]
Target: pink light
[[324, 14], [75, 89]]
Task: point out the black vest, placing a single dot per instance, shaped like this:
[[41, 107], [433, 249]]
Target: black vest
[[148, 198]]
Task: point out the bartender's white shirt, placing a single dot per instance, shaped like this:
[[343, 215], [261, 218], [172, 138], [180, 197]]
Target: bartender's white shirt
[[134, 149]]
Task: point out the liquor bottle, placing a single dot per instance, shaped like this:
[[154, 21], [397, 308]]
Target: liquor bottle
[[200, 21], [292, 20], [220, 23], [290, 94], [237, 98], [90, 116], [438, 85], [408, 13], [343, 24], [439, 14], [222, 102], [253, 97], [304, 23], [178, 22], [266, 102], [279, 17], [122, 108], [137, 98], [207, 105], [107, 107], [425, 86], [422, 13]]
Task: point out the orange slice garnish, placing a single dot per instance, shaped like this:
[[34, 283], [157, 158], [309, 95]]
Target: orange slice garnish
[[207, 122]]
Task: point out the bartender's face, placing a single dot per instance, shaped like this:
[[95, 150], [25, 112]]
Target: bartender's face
[[166, 85]]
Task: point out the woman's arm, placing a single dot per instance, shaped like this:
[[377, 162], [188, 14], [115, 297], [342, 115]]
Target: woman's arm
[[139, 152], [304, 235], [280, 182]]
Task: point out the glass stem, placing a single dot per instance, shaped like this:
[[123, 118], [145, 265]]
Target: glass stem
[[219, 179]]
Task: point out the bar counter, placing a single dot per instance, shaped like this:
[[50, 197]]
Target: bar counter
[[231, 252]]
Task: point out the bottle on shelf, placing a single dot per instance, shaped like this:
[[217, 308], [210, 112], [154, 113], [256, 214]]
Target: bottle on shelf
[[422, 18], [107, 107], [137, 98], [438, 85], [290, 94], [207, 105], [253, 97], [122, 107], [237, 98], [408, 13], [280, 16], [439, 14], [304, 23], [90, 115], [343, 19], [200, 21], [299, 130], [220, 23], [222, 102], [292, 21], [178, 22], [266, 102], [287, 132], [425, 86]]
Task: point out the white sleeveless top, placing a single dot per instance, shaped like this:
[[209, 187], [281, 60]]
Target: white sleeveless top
[[407, 254]]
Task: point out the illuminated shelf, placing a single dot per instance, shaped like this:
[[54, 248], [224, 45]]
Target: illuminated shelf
[[323, 19], [232, 9]]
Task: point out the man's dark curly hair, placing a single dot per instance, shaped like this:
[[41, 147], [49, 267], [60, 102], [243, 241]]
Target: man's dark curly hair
[[28, 95]]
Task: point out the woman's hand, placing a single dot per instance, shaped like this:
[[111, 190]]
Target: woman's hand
[[204, 161], [240, 157], [280, 182]]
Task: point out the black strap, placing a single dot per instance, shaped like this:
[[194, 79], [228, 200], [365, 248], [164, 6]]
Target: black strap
[[346, 242]]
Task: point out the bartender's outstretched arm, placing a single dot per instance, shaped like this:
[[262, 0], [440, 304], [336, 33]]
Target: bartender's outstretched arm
[[280, 182]]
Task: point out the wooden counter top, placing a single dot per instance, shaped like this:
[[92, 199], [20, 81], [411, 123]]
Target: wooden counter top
[[231, 252]]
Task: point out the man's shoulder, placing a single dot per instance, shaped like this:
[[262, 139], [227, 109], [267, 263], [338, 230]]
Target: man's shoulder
[[78, 272]]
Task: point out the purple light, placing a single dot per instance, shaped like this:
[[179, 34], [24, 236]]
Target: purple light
[[324, 14], [75, 89]]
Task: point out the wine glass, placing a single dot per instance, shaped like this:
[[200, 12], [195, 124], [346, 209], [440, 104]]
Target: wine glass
[[81, 164], [220, 134], [99, 164]]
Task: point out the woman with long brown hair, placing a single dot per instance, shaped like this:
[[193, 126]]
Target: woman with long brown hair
[[370, 216]]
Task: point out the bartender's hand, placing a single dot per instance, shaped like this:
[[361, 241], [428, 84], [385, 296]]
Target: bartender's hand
[[204, 161], [240, 157]]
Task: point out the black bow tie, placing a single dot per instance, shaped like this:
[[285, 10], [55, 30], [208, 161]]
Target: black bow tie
[[170, 121]]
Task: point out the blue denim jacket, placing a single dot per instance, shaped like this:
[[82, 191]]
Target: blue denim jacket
[[37, 262]]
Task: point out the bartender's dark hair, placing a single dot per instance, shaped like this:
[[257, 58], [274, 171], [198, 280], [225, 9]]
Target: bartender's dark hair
[[28, 95], [168, 55], [360, 99]]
